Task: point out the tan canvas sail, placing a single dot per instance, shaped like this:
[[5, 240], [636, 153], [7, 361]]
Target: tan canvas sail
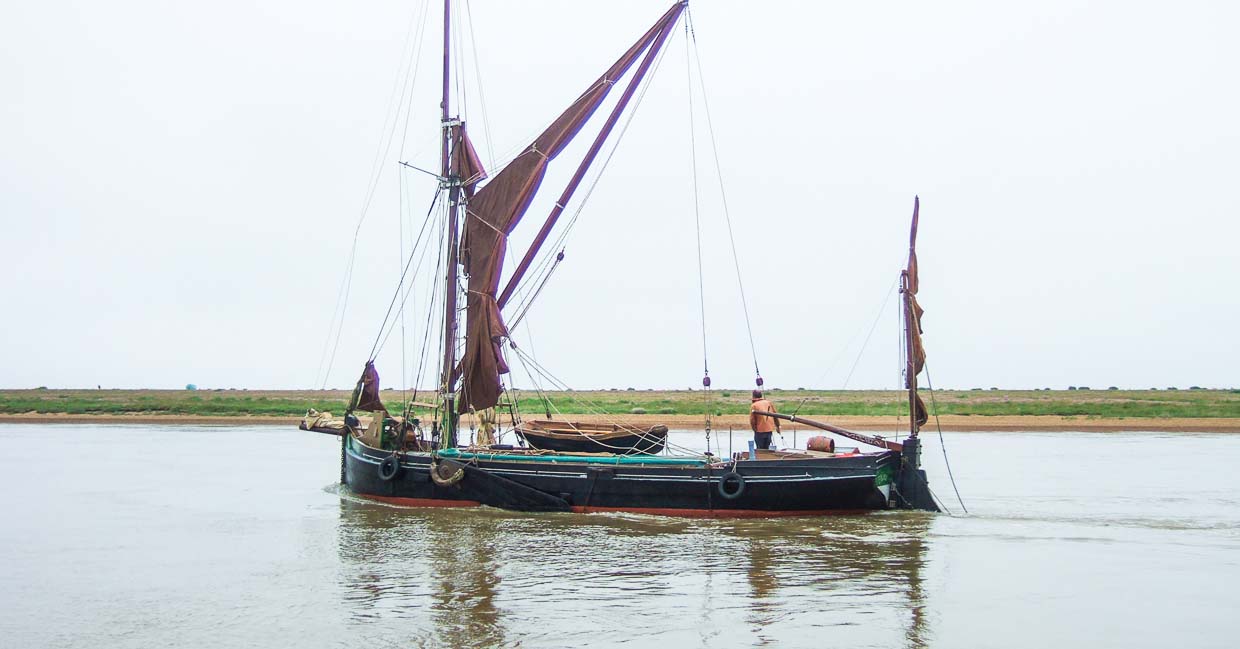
[[913, 313]]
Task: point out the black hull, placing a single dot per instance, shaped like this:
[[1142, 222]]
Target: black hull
[[650, 443], [782, 488]]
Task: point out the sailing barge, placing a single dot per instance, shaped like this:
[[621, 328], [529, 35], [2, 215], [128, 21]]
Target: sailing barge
[[792, 486], [580, 468]]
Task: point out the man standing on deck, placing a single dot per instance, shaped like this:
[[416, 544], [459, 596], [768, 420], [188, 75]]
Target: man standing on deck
[[762, 425]]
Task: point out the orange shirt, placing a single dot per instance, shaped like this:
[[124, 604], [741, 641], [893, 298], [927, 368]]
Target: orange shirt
[[761, 423]]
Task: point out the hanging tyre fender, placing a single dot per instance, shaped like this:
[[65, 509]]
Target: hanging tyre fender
[[389, 468], [731, 485]]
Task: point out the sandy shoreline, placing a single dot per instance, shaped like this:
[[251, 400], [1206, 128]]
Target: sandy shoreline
[[968, 423]]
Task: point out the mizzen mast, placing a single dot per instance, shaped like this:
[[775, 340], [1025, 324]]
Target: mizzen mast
[[912, 487], [915, 352]]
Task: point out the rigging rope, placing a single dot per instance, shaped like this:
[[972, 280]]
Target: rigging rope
[[406, 294], [523, 309], [866, 343], [545, 267], [440, 404], [697, 224], [935, 408], [542, 395], [337, 313], [590, 406], [430, 314], [723, 194], [405, 71], [839, 355], [697, 212], [458, 63], [559, 243], [529, 290], [404, 365], [437, 292], [417, 65], [482, 98], [402, 187], [400, 284]]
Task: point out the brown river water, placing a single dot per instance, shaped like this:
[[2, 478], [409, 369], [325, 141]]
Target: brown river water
[[190, 536]]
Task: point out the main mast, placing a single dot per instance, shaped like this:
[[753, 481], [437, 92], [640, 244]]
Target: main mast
[[912, 487], [453, 185]]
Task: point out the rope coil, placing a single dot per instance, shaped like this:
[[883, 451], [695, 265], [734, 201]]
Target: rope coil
[[445, 481]]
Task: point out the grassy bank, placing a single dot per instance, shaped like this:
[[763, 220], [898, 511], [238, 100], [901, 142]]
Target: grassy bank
[[1108, 404]]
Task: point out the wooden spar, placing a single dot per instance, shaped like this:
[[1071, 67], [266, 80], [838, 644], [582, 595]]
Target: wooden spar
[[864, 439], [589, 158], [338, 432]]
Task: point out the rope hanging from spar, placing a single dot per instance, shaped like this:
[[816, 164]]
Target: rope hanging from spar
[[753, 349], [697, 224]]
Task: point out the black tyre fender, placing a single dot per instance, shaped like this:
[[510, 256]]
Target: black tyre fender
[[389, 468], [734, 478]]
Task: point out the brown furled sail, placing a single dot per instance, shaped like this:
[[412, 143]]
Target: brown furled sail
[[366, 394], [913, 312], [465, 162], [497, 208]]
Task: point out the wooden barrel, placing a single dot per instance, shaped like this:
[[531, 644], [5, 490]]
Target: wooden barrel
[[821, 443]]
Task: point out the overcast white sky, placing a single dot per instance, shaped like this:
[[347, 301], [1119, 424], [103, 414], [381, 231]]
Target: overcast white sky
[[179, 184]]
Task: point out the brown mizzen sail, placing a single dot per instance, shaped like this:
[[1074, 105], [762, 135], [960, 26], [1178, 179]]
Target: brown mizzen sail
[[912, 328], [497, 208], [366, 392]]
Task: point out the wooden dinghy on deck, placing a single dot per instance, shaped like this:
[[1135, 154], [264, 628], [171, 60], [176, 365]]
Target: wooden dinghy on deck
[[575, 437]]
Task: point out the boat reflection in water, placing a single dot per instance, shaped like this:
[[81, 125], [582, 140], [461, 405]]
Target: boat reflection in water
[[485, 577], [838, 572], [421, 576]]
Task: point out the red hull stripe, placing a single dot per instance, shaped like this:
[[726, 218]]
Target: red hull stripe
[[720, 513], [657, 511]]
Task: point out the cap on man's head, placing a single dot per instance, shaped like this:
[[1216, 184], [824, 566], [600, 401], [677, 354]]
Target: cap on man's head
[[757, 394]]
